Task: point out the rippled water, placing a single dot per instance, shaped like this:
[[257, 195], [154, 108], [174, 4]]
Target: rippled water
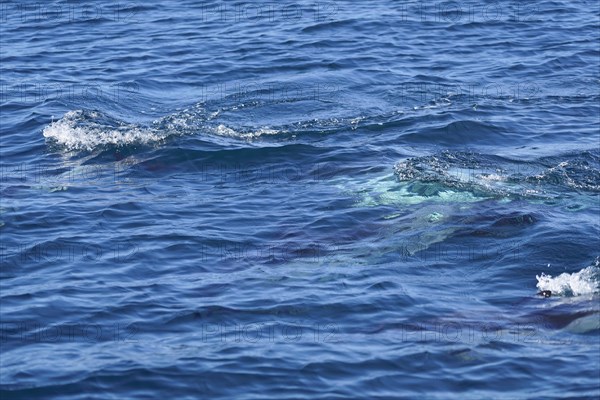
[[300, 199]]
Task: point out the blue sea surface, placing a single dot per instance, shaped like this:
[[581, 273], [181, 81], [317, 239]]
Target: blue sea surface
[[300, 199]]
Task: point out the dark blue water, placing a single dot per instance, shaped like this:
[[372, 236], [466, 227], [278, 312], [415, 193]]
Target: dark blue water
[[300, 199]]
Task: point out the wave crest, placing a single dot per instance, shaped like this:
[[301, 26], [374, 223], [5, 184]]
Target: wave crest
[[86, 130], [586, 281]]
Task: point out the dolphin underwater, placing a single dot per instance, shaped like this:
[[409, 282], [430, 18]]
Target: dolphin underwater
[[452, 193]]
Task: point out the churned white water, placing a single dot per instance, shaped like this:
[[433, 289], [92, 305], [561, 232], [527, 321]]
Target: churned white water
[[578, 283]]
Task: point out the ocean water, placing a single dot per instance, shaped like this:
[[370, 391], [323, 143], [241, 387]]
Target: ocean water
[[304, 199]]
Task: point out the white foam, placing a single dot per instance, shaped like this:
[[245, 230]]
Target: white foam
[[576, 284], [223, 130], [77, 130], [493, 177], [86, 130]]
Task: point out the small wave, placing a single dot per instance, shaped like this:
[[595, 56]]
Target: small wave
[[575, 174], [86, 130], [493, 176], [586, 281]]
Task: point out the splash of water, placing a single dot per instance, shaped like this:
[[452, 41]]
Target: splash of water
[[586, 281]]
